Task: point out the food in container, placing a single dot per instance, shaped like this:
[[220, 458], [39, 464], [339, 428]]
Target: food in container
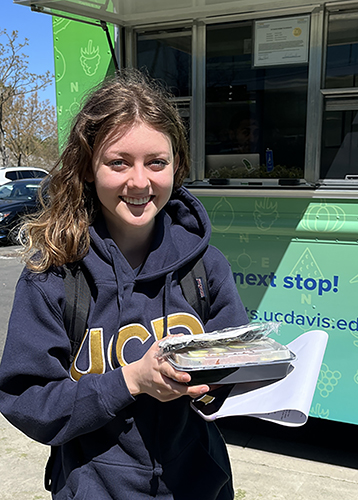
[[234, 355]]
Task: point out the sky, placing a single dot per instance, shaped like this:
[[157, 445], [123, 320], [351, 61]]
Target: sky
[[38, 29]]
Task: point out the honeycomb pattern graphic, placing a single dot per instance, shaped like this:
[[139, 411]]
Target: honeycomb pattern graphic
[[327, 381]]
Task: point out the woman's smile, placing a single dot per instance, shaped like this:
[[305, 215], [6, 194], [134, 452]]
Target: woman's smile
[[136, 201], [134, 175]]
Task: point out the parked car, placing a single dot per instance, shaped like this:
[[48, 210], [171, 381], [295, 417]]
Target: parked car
[[14, 173], [17, 198]]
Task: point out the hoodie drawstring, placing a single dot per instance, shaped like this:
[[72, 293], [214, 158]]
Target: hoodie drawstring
[[157, 467], [168, 281]]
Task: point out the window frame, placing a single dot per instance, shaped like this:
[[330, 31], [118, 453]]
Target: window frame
[[316, 93], [336, 9]]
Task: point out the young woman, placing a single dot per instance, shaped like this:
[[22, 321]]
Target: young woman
[[119, 416]]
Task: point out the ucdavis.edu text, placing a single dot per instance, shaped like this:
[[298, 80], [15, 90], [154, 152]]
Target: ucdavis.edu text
[[312, 322]]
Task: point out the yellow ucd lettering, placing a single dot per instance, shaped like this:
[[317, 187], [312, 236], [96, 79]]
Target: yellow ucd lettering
[[96, 349], [125, 334], [96, 355]]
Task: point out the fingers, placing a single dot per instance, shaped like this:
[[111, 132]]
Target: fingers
[[173, 389], [176, 383], [167, 370], [195, 391], [156, 377]]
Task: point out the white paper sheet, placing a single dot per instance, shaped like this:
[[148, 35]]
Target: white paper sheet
[[286, 401]]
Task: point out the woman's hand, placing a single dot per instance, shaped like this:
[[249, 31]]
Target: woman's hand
[[156, 377]]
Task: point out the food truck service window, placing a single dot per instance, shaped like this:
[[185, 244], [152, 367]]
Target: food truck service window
[[166, 54], [339, 152], [256, 99], [268, 99]]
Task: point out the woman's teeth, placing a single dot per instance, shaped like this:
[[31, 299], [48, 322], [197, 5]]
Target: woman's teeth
[[136, 201]]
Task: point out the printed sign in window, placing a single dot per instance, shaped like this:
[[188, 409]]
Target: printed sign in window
[[281, 41]]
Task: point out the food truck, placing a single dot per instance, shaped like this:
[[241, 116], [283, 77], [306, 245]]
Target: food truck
[[268, 91]]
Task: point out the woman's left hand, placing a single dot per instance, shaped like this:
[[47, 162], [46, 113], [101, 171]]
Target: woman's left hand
[[155, 376]]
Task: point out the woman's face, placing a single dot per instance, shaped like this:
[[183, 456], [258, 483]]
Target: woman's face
[[133, 175]]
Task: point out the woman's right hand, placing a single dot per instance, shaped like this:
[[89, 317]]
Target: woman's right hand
[[156, 377]]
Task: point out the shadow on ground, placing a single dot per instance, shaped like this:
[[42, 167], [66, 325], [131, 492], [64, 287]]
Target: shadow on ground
[[319, 440]]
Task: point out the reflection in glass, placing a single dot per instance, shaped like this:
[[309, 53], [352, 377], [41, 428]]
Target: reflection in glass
[[339, 156], [167, 56], [342, 52], [339, 144], [250, 111]]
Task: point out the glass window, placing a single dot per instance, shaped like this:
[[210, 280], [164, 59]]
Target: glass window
[[255, 117], [39, 173], [25, 174], [340, 139], [339, 153], [342, 51], [167, 55], [11, 175]]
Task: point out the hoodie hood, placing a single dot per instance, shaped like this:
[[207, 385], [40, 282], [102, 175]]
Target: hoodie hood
[[183, 232]]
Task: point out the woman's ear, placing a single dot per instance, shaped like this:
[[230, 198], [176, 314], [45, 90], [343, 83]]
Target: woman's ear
[[89, 177]]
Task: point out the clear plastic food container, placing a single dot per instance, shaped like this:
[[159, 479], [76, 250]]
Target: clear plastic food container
[[230, 356]]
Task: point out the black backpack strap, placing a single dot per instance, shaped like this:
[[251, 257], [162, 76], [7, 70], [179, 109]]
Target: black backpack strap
[[78, 297], [49, 468], [195, 289]]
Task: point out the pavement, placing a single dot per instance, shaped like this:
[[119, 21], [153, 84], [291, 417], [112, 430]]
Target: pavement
[[268, 462], [318, 461]]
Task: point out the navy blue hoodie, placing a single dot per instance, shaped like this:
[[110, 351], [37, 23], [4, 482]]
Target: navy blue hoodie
[[111, 445]]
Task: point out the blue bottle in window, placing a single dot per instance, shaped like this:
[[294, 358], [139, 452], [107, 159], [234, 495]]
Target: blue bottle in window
[[269, 160]]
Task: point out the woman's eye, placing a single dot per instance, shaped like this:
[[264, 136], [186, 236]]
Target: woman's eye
[[158, 164], [117, 163]]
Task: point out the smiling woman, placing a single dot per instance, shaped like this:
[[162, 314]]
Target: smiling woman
[[118, 214], [133, 173], [129, 108]]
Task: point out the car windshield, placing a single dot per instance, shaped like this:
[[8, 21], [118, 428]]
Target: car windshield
[[19, 191]]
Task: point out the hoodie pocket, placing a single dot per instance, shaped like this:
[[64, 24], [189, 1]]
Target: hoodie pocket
[[125, 482], [77, 485], [103, 481], [196, 474]]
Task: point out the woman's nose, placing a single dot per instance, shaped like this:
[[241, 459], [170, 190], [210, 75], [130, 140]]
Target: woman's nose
[[138, 177]]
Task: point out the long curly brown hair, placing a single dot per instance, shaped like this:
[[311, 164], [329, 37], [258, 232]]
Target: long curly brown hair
[[59, 233]]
